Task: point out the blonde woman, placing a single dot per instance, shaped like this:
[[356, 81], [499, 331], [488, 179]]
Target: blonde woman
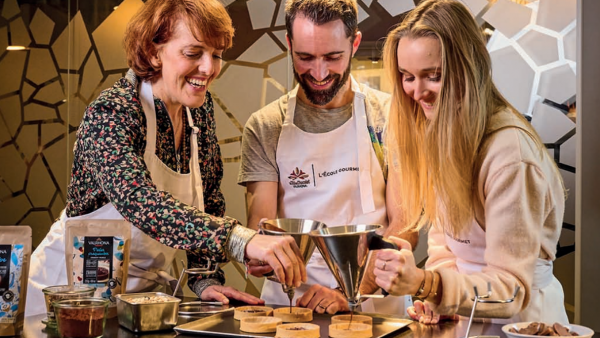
[[474, 171]]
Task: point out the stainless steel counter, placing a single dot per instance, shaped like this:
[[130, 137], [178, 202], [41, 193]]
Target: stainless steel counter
[[35, 329]]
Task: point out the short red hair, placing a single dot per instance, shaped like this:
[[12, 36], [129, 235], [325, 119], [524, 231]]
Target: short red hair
[[155, 23]]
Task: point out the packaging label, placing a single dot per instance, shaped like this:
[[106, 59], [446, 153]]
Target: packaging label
[[98, 262], [97, 266], [11, 266]]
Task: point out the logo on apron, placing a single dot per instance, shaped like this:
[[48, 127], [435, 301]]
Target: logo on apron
[[299, 179]]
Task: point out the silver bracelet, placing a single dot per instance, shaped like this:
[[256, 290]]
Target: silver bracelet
[[202, 284], [238, 239]]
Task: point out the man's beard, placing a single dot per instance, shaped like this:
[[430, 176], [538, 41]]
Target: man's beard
[[322, 97]]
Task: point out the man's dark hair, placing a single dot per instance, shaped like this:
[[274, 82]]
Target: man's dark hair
[[323, 11]]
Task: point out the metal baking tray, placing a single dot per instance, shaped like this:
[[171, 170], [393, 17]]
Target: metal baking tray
[[223, 325]]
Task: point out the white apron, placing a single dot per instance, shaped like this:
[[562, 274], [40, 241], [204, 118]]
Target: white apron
[[149, 259], [546, 290], [334, 178]]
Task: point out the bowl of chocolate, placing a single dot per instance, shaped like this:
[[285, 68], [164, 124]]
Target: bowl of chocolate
[[59, 292], [536, 329], [81, 318]]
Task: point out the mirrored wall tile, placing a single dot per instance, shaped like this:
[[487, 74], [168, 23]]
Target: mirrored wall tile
[[568, 152], [58, 162], [13, 209], [272, 92], [571, 188], [80, 44], [11, 68], [362, 14], [51, 131], [281, 71], [261, 13], [40, 187], [570, 43], [41, 27], [507, 66], [91, 77], [51, 93], [550, 123], [36, 112], [27, 141], [556, 14], [226, 128], [262, 50], [557, 84], [281, 15], [542, 48], [4, 133], [508, 17], [281, 36], [396, 7], [40, 222], [76, 110], [226, 2], [19, 33], [10, 9], [233, 192], [4, 191], [3, 39], [57, 206], [230, 150], [38, 70], [26, 91], [110, 50], [12, 168], [475, 6], [11, 111], [242, 98]]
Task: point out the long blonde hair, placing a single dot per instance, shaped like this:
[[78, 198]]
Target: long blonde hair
[[438, 160]]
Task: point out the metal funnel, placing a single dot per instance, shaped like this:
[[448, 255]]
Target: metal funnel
[[295, 227], [346, 251]]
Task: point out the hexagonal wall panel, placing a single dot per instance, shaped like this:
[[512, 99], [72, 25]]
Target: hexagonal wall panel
[[540, 47], [12, 168], [262, 50], [558, 84], [18, 32], [261, 12], [41, 27], [11, 68], [508, 17], [40, 66], [556, 14], [80, 44], [508, 65], [397, 7]]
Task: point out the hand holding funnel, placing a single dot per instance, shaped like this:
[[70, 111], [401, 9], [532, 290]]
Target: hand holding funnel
[[346, 250], [299, 230]]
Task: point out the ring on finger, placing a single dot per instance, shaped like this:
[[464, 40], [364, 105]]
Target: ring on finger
[[383, 267], [321, 306]]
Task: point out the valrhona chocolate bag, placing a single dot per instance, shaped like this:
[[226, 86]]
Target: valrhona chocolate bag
[[97, 254], [15, 255]]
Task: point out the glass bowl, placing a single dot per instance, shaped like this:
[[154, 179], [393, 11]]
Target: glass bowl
[[81, 318], [60, 292]]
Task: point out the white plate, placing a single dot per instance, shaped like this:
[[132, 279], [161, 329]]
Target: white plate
[[582, 331]]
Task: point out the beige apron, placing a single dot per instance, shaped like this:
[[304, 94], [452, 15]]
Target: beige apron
[[149, 259], [546, 290], [335, 178]]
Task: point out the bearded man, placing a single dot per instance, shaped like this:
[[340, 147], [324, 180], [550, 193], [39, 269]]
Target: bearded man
[[317, 152]]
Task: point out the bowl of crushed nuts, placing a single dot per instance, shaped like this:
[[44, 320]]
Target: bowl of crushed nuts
[[536, 329]]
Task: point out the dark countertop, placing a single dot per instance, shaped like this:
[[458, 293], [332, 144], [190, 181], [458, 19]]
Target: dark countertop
[[451, 329]]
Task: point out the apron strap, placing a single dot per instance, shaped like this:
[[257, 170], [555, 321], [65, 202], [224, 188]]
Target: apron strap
[[147, 100], [195, 163]]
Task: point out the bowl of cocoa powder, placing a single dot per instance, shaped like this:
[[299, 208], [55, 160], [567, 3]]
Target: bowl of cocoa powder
[[81, 318]]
